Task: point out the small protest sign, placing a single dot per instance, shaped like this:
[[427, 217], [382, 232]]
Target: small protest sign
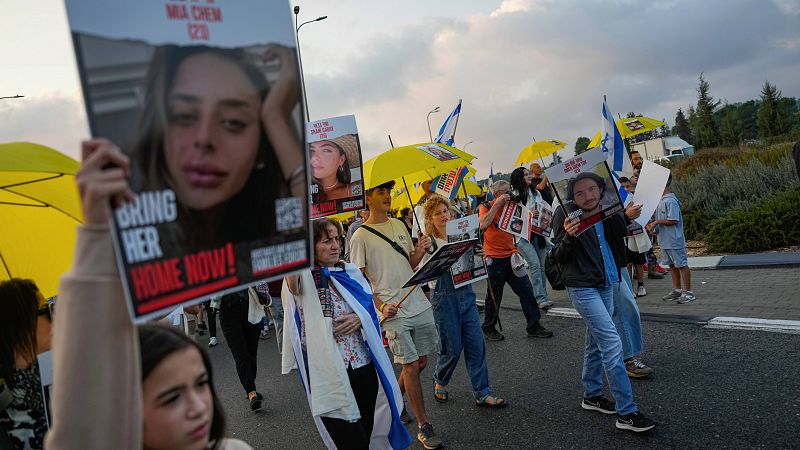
[[204, 97], [515, 219], [440, 262], [470, 267], [448, 184], [649, 190], [45, 361], [438, 152], [585, 188], [542, 218], [337, 182]]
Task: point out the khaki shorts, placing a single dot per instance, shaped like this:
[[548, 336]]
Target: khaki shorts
[[412, 337]]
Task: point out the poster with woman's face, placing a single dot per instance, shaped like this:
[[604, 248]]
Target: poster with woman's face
[[584, 187], [337, 182], [204, 97]]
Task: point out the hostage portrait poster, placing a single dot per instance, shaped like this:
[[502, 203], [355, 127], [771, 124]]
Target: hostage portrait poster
[[337, 181], [585, 188], [204, 98], [470, 267]]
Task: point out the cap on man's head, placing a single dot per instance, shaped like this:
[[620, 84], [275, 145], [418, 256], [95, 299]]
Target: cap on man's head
[[387, 185]]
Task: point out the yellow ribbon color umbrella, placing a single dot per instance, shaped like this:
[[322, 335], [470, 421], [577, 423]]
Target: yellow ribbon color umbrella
[[40, 209], [539, 150], [630, 126], [413, 161]]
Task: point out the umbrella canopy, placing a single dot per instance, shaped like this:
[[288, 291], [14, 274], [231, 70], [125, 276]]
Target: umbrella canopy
[[424, 160], [630, 126], [539, 150], [40, 208]]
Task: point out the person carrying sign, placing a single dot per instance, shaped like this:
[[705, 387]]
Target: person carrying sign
[[382, 249], [499, 246]]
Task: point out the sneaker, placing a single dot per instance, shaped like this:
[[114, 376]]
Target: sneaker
[[212, 342], [255, 402], [599, 403], [641, 291], [540, 332], [655, 276], [545, 305], [660, 270], [202, 326], [493, 335], [404, 416], [481, 308], [686, 297], [635, 422], [637, 369], [427, 437], [264, 334], [674, 295]]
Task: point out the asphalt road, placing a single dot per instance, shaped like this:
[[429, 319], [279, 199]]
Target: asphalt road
[[711, 389]]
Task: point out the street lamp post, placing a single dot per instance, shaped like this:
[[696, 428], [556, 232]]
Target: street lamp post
[[300, 57], [428, 118], [465, 145], [13, 96]]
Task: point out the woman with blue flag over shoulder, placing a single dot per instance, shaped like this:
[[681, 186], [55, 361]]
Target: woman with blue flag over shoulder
[[334, 340]]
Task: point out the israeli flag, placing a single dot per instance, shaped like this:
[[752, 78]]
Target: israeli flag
[[447, 133], [611, 142], [490, 196]]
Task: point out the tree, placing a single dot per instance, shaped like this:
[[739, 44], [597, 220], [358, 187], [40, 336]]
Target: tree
[[772, 120], [664, 130], [730, 127], [581, 145], [682, 129], [704, 128]]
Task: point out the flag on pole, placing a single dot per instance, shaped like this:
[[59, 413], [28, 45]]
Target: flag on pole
[[612, 143], [447, 133], [490, 196]]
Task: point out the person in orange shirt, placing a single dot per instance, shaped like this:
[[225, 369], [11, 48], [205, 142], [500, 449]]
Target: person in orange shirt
[[499, 246]]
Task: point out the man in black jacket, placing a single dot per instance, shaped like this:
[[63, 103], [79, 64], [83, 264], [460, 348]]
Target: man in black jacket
[[589, 263]]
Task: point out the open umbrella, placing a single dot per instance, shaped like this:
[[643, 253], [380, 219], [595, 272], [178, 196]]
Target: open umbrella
[[630, 126], [40, 209], [423, 161], [538, 150]]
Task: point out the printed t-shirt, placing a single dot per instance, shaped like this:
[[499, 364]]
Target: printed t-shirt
[[496, 243], [387, 269], [670, 236]]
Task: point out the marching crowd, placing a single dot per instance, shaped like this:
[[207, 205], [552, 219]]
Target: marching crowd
[[117, 385]]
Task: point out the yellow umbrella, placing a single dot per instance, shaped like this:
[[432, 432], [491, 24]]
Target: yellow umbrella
[[420, 160], [40, 208], [630, 126], [538, 150]]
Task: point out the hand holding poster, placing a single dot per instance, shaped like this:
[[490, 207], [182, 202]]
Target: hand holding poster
[[515, 219], [470, 267], [440, 262], [203, 97], [585, 188], [337, 183]]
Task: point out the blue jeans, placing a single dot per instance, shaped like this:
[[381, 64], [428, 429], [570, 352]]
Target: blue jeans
[[535, 257], [626, 318], [603, 349], [500, 273], [459, 327]]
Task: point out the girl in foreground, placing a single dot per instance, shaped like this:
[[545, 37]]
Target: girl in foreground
[[335, 341], [153, 387]]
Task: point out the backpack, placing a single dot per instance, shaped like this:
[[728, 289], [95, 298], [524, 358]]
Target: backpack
[[553, 272]]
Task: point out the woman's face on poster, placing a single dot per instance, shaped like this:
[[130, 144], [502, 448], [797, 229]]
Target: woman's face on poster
[[325, 160], [214, 126]]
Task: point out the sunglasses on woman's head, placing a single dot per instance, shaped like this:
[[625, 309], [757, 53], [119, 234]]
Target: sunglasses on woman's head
[[49, 309]]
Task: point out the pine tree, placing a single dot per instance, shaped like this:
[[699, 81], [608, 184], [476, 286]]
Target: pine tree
[[664, 130], [581, 145], [682, 128], [704, 128], [731, 127], [771, 117]]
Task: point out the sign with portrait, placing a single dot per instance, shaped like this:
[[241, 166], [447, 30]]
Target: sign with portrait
[[337, 181], [542, 218], [515, 219], [438, 152], [204, 97], [440, 262], [470, 267], [585, 188]]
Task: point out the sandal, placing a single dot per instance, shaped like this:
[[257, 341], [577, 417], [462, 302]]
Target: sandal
[[440, 394], [491, 401]]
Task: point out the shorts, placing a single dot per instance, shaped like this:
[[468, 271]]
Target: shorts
[[635, 257], [674, 257], [412, 337]]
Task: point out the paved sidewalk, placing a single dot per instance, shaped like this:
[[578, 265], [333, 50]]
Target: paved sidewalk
[[763, 293]]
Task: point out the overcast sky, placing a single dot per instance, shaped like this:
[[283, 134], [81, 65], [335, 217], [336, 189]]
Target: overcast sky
[[524, 68]]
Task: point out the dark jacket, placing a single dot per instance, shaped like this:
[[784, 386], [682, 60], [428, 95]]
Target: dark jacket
[[579, 258]]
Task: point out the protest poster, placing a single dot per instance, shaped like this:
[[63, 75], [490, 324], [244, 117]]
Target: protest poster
[[448, 184], [438, 152], [440, 262], [585, 188], [337, 181], [649, 190], [204, 97], [542, 218], [470, 267], [515, 219], [45, 361]]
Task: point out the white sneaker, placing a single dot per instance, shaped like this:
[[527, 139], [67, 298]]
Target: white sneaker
[[212, 342], [641, 292]]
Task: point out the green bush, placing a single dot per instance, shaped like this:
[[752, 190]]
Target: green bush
[[773, 223], [702, 159]]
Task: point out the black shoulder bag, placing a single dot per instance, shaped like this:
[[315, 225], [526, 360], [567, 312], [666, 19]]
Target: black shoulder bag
[[389, 241]]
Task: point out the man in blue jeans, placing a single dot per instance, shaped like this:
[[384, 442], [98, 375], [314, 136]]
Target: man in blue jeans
[[589, 264]]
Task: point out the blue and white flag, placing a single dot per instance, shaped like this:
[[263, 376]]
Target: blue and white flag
[[611, 142], [490, 195], [447, 133]]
